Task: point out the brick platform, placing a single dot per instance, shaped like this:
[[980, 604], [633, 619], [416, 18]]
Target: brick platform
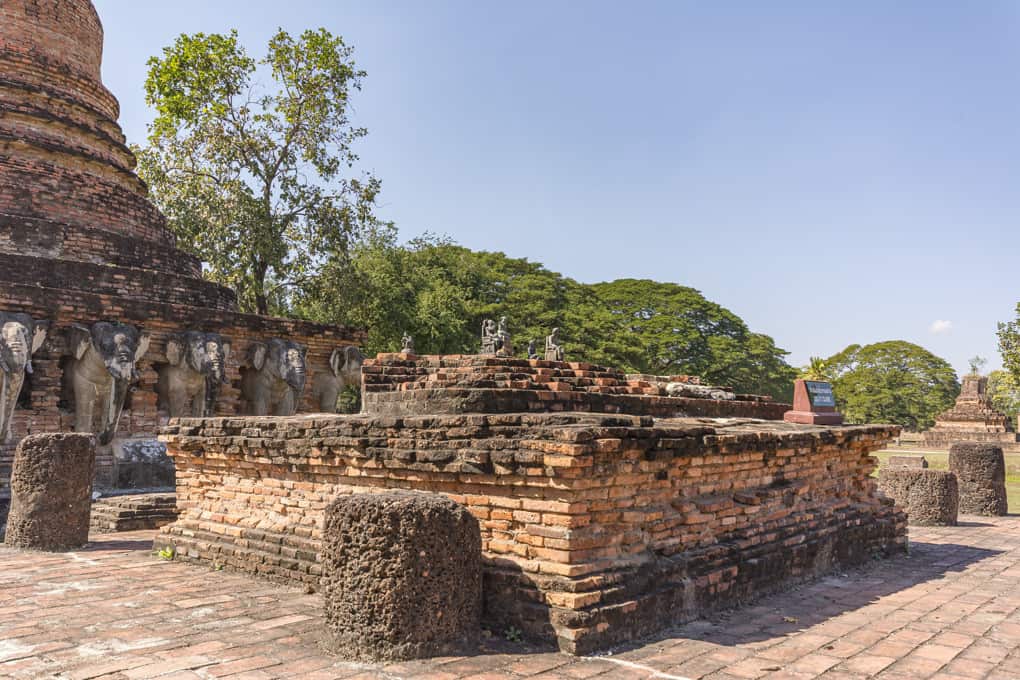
[[595, 528], [951, 610], [404, 384], [133, 512]]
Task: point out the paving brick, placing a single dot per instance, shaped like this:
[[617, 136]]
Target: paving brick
[[131, 623]]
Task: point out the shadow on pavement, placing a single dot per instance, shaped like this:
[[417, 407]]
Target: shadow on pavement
[[814, 602]]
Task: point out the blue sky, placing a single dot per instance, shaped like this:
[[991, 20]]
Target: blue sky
[[832, 173]]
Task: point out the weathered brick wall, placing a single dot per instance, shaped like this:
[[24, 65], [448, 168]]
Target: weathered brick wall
[[53, 186], [141, 418], [41, 238], [61, 45], [121, 282], [400, 384], [596, 528], [66, 31]]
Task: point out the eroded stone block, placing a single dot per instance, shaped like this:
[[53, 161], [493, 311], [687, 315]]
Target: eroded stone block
[[930, 497], [51, 491], [981, 470], [401, 576]]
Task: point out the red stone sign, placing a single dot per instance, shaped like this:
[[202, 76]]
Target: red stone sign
[[813, 404]]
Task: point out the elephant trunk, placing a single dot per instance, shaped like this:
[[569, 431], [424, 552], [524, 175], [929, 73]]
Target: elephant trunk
[[111, 418], [9, 392], [217, 371], [212, 393], [296, 377]]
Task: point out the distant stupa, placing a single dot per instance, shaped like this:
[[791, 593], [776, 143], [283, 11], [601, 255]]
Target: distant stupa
[[972, 418]]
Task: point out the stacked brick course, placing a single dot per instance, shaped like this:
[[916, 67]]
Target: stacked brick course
[[132, 512], [595, 528], [398, 384], [79, 240]]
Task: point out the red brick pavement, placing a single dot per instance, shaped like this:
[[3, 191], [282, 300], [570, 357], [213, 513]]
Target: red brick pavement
[[950, 610]]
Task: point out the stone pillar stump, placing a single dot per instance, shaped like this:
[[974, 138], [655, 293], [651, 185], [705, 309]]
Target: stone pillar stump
[[981, 471], [401, 576], [930, 497], [51, 491]]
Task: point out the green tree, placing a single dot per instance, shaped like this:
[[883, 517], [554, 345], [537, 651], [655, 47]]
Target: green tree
[[256, 180], [679, 331], [429, 288], [1004, 391], [893, 382], [815, 370], [440, 293], [1009, 345]]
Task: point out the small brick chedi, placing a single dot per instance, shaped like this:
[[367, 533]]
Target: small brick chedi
[[52, 491], [402, 576], [973, 419], [112, 326], [596, 527]]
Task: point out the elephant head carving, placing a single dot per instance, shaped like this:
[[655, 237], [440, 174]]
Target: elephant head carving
[[20, 337], [196, 367], [103, 366], [344, 369], [275, 378]]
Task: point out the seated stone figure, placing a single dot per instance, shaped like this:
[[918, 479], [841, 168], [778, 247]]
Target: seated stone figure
[[490, 337], [553, 348], [407, 344], [504, 345]]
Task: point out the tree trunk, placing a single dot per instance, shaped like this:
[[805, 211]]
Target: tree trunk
[[261, 301]]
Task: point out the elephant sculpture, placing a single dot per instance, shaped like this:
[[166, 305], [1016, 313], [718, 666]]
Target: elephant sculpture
[[189, 383], [20, 337], [275, 377], [344, 369], [101, 372]]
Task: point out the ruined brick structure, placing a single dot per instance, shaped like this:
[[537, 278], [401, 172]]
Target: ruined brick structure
[[596, 528], [132, 512], [972, 418], [79, 240], [401, 384]]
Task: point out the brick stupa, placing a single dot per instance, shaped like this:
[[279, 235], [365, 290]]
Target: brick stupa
[[972, 418], [79, 240]]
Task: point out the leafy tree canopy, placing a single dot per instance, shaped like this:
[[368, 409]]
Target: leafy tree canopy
[[892, 382], [815, 370], [1004, 391], [252, 162], [1009, 345], [441, 292], [255, 180]]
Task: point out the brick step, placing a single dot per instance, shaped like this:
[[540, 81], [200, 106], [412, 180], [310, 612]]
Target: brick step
[[193, 541], [271, 543], [133, 512], [123, 282], [44, 238]]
